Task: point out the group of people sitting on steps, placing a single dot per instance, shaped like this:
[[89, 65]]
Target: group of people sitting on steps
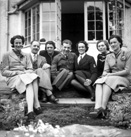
[[48, 70]]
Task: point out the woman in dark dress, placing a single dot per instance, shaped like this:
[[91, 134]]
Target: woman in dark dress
[[85, 70], [103, 47]]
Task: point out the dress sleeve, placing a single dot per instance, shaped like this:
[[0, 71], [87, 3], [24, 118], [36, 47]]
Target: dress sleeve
[[128, 62], [5, 67]]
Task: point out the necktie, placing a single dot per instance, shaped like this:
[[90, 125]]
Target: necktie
[[79, 59], [35, 61], [35, 57]]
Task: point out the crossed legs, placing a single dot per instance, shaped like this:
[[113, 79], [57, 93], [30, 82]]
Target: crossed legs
[[102, 94], [32, 96]]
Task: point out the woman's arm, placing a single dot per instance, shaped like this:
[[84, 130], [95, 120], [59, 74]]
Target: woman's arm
[[5, 67]]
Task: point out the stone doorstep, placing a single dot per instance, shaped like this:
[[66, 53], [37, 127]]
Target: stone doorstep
[[71, 101]]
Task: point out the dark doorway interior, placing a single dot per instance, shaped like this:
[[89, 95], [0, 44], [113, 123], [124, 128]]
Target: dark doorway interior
[[73, 27]]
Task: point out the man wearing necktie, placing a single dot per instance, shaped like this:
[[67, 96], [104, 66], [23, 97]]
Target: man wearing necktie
[[42, 69]]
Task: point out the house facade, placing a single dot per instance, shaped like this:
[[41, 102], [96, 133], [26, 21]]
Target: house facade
[[56, 20]]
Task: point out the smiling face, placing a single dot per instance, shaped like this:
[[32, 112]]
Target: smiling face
[[81, 48], [18, 45], [35, 46], [66, 48], [115, 44], [102, 47]]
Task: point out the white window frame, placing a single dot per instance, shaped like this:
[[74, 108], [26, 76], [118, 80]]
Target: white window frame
[[122, 29], [85, 22], [31, 33]]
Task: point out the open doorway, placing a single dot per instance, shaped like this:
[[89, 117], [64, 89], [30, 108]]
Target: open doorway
[[73, 21]]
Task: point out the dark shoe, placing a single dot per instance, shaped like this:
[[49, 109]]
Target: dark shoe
[[30, 117], [92, 92], [93, 98], [104, 113], [44, 99], [97, 113], [52, 99], [38, 110]]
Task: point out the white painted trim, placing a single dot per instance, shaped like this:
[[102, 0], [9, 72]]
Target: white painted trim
[[104, 20], [85, 20], [86, 26], [41, 20]]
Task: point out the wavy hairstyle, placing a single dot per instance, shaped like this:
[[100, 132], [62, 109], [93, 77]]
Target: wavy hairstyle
[[118, 38], [16, 37]]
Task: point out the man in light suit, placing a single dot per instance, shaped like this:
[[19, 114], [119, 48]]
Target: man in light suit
[[42, 69]]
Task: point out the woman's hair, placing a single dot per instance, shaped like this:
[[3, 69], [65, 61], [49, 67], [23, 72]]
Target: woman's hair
[[51, 43], [16, 37], [105, 42], [85, 43], [118, 39]]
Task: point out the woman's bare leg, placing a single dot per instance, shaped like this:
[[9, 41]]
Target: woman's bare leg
[[29, 97], [35, 90], [106, 95], [98, 96]]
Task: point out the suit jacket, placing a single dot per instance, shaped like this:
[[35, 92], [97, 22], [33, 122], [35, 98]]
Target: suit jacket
[[49, 58], [40, 61], [87, 64], [45, 81], [11, 64], [61, 62]]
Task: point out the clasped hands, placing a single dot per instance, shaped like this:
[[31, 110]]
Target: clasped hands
[[87, 82]]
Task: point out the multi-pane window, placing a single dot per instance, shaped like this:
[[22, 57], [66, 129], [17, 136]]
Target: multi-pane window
[[94, 20], [27, 26], [48, 21], [32, 22], [36, 22], [116, 17]]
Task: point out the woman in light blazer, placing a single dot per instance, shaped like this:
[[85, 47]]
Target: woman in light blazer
[[116, 76], [17, 68]]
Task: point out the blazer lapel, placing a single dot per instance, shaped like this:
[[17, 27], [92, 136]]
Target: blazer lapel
[[14, 56], [83, 60]]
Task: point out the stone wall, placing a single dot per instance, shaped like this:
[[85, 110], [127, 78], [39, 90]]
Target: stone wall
[[120, 110]]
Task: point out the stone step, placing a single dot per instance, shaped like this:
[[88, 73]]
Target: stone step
[[70, 101]]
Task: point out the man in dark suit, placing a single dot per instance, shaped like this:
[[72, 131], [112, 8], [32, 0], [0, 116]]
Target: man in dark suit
[[49, 53], [42, 69], [63, 66]]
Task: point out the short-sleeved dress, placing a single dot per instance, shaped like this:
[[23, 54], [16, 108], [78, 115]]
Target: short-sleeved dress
[[11, 64], [122, 61]]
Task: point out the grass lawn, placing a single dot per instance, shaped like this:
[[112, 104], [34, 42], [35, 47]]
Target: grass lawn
[[71, 114]]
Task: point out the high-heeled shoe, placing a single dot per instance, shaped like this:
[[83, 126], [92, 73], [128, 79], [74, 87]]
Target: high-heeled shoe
[[97, 113], [38, 110]]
